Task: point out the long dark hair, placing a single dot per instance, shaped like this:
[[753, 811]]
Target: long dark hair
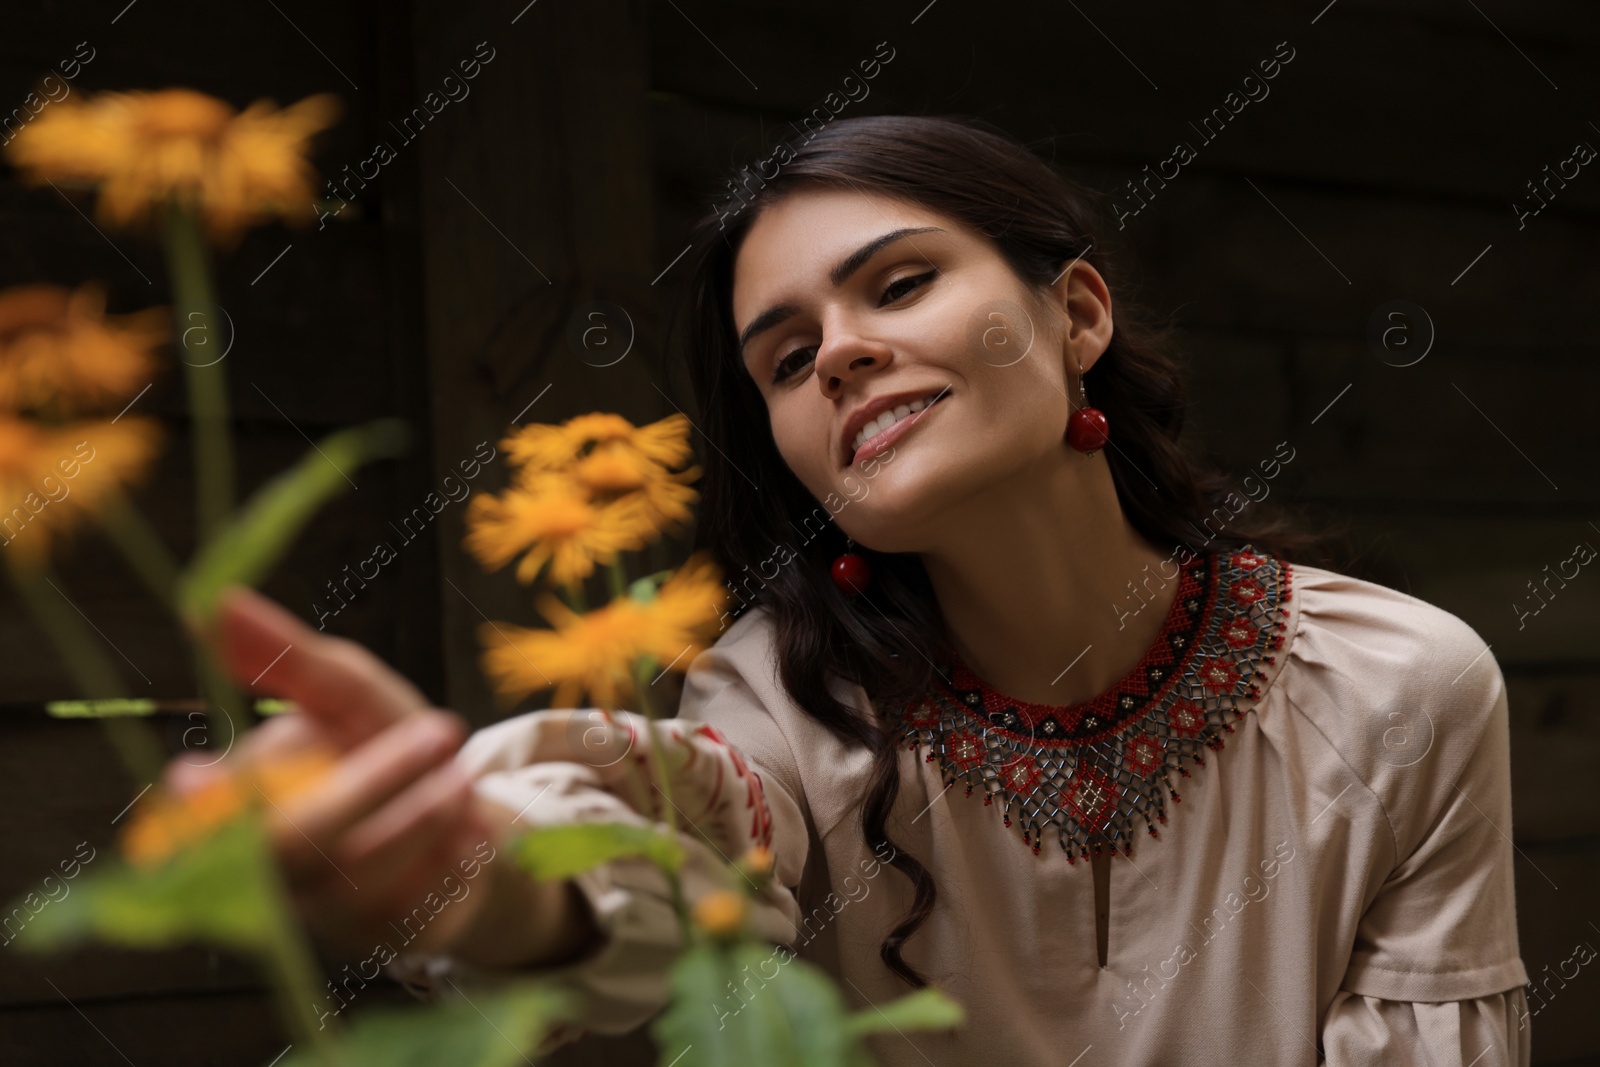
[[752, 502]]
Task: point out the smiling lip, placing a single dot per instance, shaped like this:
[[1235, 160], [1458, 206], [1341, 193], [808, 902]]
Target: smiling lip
[[872, 446], [871, 410]]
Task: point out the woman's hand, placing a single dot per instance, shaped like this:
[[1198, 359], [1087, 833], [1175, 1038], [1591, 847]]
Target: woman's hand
[[395, 820]]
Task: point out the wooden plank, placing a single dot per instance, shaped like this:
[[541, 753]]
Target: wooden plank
[[67, 778], [183, 1031], [1441, 559], [1355, 106], [338, 547], [532, 212], [1556, 887], [1293, 259], [1480, 427], [1555, 746]]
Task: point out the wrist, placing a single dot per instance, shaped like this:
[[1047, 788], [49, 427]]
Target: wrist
[[521, 921]]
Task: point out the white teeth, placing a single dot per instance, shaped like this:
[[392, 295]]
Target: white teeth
[[888, 419]]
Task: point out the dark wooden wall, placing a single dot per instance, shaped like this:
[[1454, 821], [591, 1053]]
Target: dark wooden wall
[[1383, 165]]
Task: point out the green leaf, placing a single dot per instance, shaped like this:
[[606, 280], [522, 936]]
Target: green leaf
[[128, 706], [778, 1011], [261, 531], [926, 1009], [219, 891], [99, 709], [758, 1003], [645, 589], [555, 852], [497, 1029]]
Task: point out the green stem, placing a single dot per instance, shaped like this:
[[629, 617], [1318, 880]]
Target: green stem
[[189, 269], [149, 557], [572, 593], [619, 578], [92, 671], [127, 528], [220, 695], [641, 670], [291, 966], [77, 644]]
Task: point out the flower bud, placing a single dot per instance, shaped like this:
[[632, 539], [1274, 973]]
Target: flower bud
[[721, 913]]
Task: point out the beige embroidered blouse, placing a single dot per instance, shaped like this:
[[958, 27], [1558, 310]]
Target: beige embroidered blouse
[[1335, 885]]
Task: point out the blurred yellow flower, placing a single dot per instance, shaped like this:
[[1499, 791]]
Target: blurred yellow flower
[[60, 352], [615, 469], [756, 861], [591, 655], [140, 148], [721, 912], [51, 477], [547, 447], [168, 822], [550, 517]]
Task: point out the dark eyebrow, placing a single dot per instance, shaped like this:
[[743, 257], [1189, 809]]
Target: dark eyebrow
[[838, 276]]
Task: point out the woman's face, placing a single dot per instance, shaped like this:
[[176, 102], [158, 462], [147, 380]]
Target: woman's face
[[837, 315]]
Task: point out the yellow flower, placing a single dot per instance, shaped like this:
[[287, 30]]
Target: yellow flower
[[549, 517], [592, 655], [168, 822], [51, 477], [687, 611], [756, 861], [545, 447], [59, 350], [617, 469], [141, 148], [721, 912]]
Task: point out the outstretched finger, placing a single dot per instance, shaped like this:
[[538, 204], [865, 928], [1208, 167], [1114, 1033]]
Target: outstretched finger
[[350, 691], [363, 782]]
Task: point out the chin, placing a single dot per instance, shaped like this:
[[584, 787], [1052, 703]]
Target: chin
[[893, 510]]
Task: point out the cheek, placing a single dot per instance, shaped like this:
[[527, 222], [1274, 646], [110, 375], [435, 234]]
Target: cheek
[[1022, 406], [801, 439]]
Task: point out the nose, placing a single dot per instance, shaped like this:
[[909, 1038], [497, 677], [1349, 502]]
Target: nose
[[845, 355]]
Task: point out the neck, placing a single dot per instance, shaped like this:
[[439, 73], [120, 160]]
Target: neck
[[1032, 578]]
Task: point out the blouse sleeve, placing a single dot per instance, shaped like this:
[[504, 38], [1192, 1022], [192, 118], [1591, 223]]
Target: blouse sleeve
[[583, 765], [1489, 1031], [1435, 977]]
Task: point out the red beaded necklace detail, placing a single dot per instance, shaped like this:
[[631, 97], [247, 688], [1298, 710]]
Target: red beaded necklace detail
[[1091, 769]]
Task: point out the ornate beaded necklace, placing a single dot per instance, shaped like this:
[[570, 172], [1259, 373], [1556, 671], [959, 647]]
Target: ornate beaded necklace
[[1091, 769]]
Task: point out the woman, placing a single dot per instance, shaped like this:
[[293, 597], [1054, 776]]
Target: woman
[[942, 474]]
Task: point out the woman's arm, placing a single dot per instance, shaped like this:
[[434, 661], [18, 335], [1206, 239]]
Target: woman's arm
[[409, 802], [398, 817], [523, 922]]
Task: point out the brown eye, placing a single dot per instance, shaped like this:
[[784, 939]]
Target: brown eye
[[780, 372], [896, 287]]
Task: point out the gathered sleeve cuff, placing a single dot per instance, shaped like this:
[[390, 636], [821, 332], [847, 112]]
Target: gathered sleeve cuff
[[1486, 1031], [583, 765]]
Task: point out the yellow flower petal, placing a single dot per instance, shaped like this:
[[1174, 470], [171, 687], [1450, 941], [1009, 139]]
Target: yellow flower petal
[[60, 352], [52, 478], [721, 912], [590, 657], [168, 822], [546, 447], [142, 148], [550, 516]]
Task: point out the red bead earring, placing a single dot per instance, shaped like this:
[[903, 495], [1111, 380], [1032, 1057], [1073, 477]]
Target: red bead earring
[[851, 573], [1087, 429]]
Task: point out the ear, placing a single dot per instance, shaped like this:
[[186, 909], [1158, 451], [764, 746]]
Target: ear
[[1082, 294]]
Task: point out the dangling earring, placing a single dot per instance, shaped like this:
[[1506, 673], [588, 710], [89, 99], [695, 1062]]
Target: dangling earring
[[851, 573], [1087, 430]]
